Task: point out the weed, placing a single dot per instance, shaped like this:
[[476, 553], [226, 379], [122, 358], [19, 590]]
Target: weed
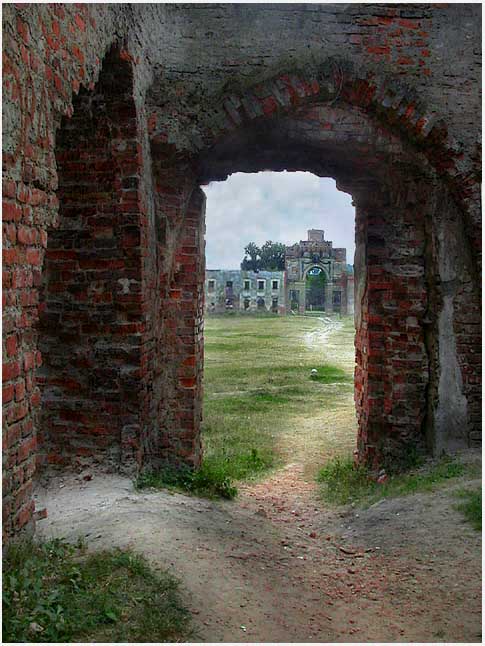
[[208, 481], [471, 507], [52, 593], [343, 483]]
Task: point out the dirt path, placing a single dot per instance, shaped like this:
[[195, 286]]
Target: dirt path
[[323, 332], [331, 430], [275, 566]]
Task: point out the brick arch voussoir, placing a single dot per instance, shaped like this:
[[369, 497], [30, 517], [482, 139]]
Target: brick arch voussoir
[[383, 98], [388, 101]]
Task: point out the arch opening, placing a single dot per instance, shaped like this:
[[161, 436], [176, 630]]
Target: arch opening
[[399, 390], [258, 383], [343, 144], [315, 290]]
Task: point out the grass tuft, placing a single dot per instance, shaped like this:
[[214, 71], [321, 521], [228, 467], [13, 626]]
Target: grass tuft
[[343, 483], [54, 592], [210, 481], [240, 463], [471, 507]]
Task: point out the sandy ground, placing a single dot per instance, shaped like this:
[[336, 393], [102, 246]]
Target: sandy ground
[[276, 566]]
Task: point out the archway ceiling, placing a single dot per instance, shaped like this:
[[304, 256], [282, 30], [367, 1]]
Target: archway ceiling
[[342, 143]]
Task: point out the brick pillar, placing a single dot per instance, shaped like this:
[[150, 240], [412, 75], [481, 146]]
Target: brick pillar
[[454, 329], [183, 342], [391, 357]]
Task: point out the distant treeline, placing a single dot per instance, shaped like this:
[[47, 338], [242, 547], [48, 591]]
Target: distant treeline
[[268, 257]]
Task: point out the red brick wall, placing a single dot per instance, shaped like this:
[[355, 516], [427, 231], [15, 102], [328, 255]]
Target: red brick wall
[[46, 57], [174, 365], [183, 310], [91, 322], [392, 369]]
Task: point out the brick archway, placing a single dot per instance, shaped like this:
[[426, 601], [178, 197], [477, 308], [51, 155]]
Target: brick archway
[[387, 100], [389, 122], [323, 296], [404, 212], [402, 209]]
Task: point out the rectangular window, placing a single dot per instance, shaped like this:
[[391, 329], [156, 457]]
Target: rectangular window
[[275, 284], [261, 285], [247, 285], [211, 286], [229, 283]]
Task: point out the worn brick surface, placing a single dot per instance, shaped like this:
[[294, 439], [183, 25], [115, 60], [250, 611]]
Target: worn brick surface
[[91, 321], [113, 117]]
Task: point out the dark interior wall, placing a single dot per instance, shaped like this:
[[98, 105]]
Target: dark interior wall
[[91, 317]]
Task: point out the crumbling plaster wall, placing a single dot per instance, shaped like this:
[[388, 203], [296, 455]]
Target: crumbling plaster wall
[[415, 69]]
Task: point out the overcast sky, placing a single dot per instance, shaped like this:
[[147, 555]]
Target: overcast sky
[[273, 206]]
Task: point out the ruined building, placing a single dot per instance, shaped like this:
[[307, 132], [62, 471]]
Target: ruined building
[[230, 290], [115, 116], [316, 278]]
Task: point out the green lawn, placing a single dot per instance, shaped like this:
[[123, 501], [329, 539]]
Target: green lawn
[[262, 406]]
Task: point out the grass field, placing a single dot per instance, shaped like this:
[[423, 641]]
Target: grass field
[[262, 406]]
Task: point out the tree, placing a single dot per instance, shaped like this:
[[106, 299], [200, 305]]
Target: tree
[[253, 251], [273, 256], [269, 257]]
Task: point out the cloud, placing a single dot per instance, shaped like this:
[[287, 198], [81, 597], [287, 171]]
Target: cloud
[[273, 206]]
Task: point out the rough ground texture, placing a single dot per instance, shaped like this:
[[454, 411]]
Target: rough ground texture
[[384, 98], [276, 566]]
